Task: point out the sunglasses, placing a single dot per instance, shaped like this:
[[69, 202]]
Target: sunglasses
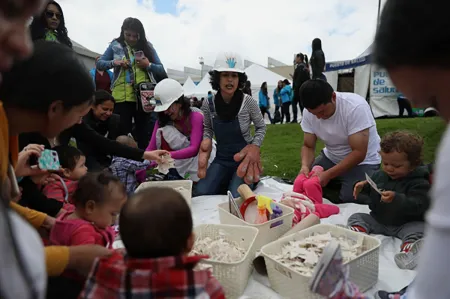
[[50, 14]]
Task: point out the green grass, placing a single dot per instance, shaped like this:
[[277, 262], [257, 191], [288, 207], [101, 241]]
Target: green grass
[[281, 148]]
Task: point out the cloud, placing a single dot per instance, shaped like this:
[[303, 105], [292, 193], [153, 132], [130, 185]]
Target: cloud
[[254, 28]]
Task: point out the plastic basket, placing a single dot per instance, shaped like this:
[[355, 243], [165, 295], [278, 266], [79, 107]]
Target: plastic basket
[[232, 276], [185, 184], [269, 231], [291, 284]]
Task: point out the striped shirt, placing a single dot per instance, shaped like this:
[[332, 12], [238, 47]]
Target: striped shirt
[[248, 113]]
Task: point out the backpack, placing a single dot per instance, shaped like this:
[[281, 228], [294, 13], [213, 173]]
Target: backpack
[[277, 116]]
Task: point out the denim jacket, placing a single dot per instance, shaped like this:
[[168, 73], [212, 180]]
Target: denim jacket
[[115, 51]]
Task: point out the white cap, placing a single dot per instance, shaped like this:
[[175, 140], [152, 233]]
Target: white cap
[[167, 92], [229, 62]]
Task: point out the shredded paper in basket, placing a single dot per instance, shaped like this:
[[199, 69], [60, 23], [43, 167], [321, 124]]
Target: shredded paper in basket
[[303, 255], [166, 163], [219, 250]]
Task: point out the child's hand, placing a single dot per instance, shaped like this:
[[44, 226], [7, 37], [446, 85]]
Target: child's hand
[[387, 196], [358, 188]]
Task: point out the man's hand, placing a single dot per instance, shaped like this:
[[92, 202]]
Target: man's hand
[[203, 157], [387, 196], [305, 171], [48, 223], [358, 188], [250, 168], [23, 167], [324, 178], [155, 155], [81, 258]]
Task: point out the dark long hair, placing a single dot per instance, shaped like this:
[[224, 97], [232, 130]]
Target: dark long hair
[[39, 26], [304, 59], [185, 108], [142, 44], [264, 88]]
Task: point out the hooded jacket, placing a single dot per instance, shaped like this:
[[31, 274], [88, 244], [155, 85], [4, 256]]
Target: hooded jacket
[[411, 199], [317, 60]]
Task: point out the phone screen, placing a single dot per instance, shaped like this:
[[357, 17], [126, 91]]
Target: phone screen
[[139, 54]]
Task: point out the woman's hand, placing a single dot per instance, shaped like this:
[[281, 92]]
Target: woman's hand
[[121, 63], [23, 167], [155, 155], [45, 178], [81, 258], [250, 168], [143, 63], [203, 157]]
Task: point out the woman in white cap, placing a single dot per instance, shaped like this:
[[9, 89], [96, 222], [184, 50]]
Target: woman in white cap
[[179, 129], [228, 116]]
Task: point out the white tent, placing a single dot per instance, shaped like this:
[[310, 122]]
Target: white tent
[[203, 87], [189, 87], [369, 81], [258, 74]]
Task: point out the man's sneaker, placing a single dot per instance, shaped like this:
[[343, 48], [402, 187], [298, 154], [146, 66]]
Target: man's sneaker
[[357, 229], [408, 257], [392, 295], [329, 274]]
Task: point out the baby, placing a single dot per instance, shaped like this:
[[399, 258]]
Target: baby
[[125, 169], [73, 168], [306, 197], [98, 200], [400, 208], [156, 228]]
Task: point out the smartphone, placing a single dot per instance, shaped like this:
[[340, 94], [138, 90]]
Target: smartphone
[[49, 160], [139, 55]]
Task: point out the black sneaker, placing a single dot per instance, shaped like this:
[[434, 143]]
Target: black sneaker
[[392, 295]]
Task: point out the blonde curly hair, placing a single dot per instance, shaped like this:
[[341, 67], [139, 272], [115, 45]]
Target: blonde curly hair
[[404, 142]]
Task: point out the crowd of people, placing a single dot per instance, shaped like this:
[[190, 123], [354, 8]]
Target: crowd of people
[[109, 134]]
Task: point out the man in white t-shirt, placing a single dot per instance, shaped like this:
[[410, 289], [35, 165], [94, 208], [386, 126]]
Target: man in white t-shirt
[[344, 122]]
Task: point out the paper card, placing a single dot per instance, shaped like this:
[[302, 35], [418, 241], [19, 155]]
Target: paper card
[[372, 184], [234, 208]]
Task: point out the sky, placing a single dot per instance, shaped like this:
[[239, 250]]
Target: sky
[[184, 30]]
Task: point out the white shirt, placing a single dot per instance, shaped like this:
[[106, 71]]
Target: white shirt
[[31, 250], [432, 273], [352, 115]]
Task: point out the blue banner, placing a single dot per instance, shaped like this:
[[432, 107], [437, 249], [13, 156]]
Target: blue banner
[[347, 64]]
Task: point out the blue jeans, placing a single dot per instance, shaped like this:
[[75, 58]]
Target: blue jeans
[[219, 179]]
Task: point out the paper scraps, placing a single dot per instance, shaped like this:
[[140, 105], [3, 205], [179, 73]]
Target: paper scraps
[[303, 255], [166, 163], [219, 250]]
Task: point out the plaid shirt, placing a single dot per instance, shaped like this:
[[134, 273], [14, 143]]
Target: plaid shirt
[[125, 170], [168, 277]]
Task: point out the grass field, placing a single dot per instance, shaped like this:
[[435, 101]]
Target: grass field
[[281, 148]]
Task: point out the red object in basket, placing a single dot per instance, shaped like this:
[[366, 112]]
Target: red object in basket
[[245, 205]]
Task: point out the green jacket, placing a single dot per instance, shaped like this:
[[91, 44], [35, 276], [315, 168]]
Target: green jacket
[[411, 199]]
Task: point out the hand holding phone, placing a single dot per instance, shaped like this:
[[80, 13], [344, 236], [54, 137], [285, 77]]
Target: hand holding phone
[[139, 55]]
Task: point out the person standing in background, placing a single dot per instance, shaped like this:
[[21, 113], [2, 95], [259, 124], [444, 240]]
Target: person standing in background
[[286, 97], [102, 79], [278, 117], [248, 88], [264, 104], [317, 60], [301, 75], [50, 25], [135, 61]]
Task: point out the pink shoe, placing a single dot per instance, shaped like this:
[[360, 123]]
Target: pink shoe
[[316, 170]]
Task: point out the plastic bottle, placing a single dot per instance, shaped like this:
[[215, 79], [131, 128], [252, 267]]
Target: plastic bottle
[[263, 205]]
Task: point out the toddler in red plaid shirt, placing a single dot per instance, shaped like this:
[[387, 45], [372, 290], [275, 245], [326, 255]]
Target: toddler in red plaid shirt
[[98, 200], [156, 228]]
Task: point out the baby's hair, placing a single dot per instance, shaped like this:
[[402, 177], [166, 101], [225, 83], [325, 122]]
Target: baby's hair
[[155, 222], [68, 156], [404, 142], [126, 140], [96, 187]]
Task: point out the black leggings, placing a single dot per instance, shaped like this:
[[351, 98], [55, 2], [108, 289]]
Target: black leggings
[[143, 122], [402, 105], [264, 110], [285, 112], [296, 101]]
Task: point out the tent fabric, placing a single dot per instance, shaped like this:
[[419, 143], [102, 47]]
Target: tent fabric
[[189, 87], [203, 87]]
